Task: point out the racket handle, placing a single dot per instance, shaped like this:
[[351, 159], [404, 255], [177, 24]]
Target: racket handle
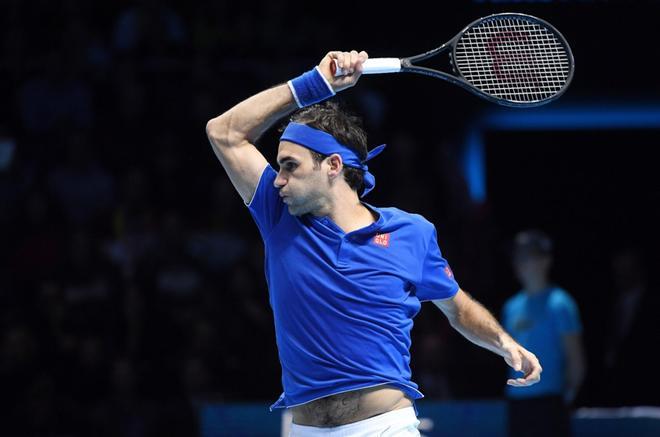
[[375, 66]]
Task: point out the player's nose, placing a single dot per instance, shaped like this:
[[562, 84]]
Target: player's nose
[[279, 181]]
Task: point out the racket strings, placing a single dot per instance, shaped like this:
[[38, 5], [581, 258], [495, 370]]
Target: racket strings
[[513, 59]]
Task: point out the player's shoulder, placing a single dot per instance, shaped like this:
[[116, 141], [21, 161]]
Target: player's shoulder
[[399, 216], [410, 223]]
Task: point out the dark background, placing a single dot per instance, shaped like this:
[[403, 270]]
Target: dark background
[[131, 281]]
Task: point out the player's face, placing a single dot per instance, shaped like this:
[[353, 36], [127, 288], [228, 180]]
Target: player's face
[[301, 183]]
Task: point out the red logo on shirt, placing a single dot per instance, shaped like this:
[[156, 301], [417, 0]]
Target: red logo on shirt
[[448, 272], [382, 240]]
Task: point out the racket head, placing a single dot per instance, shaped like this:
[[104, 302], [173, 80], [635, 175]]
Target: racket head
[[513, 59]]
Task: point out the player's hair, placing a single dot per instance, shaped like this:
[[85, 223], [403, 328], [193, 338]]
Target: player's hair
[[345, 127]]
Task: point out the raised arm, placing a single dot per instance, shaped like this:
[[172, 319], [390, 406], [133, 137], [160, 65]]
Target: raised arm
[[234, 133], [478, 325]]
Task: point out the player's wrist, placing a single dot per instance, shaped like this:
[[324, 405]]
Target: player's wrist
[[310, 87], [505, 343]]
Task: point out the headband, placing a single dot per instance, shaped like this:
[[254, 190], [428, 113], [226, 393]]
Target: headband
[[325, 144]]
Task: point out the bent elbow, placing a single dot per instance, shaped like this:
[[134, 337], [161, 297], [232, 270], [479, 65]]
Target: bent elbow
[[217, 130], [222, 133]]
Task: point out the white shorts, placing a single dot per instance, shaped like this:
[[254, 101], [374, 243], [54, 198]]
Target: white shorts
[[402, 422]]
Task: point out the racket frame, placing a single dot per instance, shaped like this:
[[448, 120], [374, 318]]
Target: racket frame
[[408, 65]]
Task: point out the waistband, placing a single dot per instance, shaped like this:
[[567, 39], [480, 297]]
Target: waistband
[[391, 417]]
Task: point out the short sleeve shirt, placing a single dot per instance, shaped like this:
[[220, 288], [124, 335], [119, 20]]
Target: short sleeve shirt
[[344, 303]]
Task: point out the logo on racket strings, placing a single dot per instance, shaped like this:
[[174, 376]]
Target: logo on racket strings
[[512, 56]]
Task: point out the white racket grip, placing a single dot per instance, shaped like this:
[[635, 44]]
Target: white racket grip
[[376, 66]]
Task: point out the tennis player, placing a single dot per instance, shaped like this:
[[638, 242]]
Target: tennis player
[[345, 278]]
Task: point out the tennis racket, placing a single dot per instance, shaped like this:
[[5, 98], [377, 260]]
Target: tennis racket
[[510, 59]]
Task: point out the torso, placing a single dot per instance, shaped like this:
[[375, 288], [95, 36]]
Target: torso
[[334, 276], [349, 407]]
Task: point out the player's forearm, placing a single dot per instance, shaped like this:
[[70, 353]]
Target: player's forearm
[[248, 120], [479, 326]]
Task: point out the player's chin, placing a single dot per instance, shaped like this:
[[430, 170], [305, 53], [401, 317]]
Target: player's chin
[[297, 206], [295, 210]]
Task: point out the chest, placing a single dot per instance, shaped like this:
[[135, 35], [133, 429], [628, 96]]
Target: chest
[[383, 262], [388, 250]]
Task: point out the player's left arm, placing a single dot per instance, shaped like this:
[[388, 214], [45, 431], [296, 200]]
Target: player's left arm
[[478, 325]]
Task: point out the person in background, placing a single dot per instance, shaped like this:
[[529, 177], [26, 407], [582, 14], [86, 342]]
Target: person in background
[[629, 331], [544, 318]]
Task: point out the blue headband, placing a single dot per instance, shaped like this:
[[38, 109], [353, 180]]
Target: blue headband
[[326, 144]]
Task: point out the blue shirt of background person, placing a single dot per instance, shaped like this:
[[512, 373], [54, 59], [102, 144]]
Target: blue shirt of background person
[[545, 319], [538, 321]]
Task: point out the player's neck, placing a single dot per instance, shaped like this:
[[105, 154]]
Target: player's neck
[[347, 212]]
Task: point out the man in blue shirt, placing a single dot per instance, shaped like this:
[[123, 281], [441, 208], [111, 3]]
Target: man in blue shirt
[[543, 317], [345, 278]]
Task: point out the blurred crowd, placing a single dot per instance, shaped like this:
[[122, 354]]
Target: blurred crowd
[[130, 286], [131, 278]]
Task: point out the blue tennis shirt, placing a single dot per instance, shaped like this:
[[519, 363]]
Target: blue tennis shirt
[[343, 304]]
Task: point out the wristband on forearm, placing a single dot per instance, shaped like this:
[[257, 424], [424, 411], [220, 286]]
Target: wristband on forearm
[[310, 87]]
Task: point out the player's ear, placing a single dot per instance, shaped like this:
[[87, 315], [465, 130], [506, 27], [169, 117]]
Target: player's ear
[[335, 165]]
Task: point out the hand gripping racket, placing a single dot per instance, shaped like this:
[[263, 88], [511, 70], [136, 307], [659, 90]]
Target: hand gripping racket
[[510, 59]]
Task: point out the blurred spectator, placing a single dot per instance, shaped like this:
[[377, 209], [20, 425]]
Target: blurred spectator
[[148, 28], [82, 187], [633, 315], [408, 188], [12, 45], [19, 368], [56, 96], [545, 319], [210, 22], [177, 276], [431, 367], [129, 96], [87, 277], [135, 223], [125, 415], [83, 40], [197, 381], [17, 177], [38, 253], [219, 247], [170, 175]]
